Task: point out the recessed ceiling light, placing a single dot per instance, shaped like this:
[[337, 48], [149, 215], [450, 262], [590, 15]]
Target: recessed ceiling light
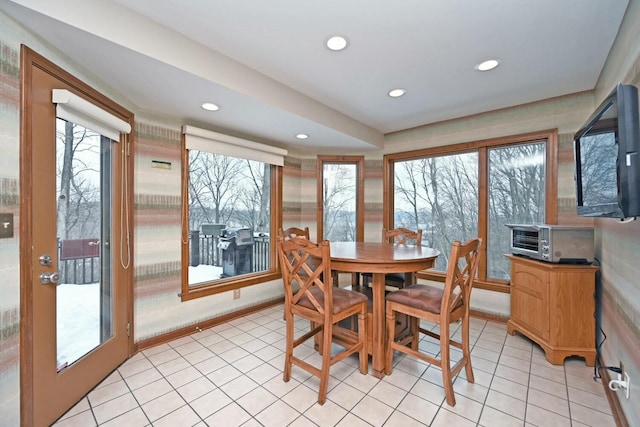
[[337, 43], [396, 93], [487, 65], [302, 136], [210, 106]]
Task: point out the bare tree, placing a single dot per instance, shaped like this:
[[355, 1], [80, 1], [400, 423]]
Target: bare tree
[[78, 208], [256, 200], [447, 188], [213, 192], [442, 193], [339, 192], [230, 191], [407, 190], [516, 195], [599, 181]]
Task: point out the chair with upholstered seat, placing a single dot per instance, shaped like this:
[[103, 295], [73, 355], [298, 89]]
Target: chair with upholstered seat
[[306, 263], [437, 305], [399, 236]]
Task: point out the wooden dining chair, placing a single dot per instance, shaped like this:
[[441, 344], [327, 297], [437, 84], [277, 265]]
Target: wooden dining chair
[[437, 305], [292, 232], [399, 236], [306, 263]]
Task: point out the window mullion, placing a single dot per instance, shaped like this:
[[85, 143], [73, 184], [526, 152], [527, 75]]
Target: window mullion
[[483, 208]]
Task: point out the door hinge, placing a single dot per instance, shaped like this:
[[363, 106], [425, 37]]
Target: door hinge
[[128, 329]]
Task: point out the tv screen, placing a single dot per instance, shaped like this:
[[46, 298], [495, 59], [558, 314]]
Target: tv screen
[[598, 158], [606, 155]]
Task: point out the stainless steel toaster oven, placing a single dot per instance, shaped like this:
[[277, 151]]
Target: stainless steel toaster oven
[[553, 243]]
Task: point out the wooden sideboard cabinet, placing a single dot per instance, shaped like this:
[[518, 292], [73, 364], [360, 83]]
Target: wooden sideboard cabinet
[[554, 305]]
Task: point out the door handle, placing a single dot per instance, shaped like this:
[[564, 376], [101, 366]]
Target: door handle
[[47, 278]]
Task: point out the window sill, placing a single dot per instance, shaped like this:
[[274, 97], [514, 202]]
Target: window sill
[[493, 285], [226, 285]]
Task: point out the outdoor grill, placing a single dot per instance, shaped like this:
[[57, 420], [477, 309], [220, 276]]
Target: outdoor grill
[[237, 251]]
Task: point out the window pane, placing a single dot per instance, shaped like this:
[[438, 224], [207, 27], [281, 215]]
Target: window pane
[[440, 196], [516, 196], [229, 217], [598, 158], [339, 198], [84, 297]]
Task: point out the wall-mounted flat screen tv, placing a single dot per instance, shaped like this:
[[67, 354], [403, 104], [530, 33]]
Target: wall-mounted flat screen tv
[[606, 152]]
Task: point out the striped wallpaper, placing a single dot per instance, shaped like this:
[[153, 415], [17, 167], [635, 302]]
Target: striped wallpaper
[[157, 307]]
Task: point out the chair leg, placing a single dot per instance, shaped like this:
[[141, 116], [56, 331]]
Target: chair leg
[[317, 339], [391, 332], [415, 332], [335, 278], [366, 281], [362, 337], [326, 362], [288, 346], [465, 349], [445, 363], [355, 279]]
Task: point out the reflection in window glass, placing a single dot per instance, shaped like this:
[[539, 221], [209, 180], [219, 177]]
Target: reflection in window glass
[[339, 198], [516, 196], [598, 158], [440, 196], [229, 217]]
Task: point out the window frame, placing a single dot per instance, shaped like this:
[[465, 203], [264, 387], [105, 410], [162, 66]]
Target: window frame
[[231, 283], [550, 137], [358, 161]]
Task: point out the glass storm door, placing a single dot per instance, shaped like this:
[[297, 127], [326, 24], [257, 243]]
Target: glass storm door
[[76, 269], [84, 292]]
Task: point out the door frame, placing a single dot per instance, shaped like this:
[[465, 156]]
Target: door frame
[[31, 61]]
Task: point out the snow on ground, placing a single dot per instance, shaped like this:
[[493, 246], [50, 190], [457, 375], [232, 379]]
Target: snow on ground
[[78, 321], [203, 273], [78, 315]]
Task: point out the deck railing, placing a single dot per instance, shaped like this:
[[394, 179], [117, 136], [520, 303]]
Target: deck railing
[[207, 252], [79, 259]]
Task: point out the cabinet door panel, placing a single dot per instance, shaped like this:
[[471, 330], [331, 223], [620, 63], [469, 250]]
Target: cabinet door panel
[[530, 299], [572, 309]]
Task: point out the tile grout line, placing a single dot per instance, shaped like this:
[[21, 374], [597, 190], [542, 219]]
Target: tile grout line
[[513, 357]]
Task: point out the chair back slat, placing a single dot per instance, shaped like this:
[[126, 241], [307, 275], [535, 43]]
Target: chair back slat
[[461, 272], [293, 232], [402, 236]]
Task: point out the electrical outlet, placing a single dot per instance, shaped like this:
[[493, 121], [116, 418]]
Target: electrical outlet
[[236, 294]]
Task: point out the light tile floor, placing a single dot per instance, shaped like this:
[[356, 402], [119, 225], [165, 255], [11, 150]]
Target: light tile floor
[[231, 375]]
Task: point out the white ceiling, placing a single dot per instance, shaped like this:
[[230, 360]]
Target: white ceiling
[[265, 64]]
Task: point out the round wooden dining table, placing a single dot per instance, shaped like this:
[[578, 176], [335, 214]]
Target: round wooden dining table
[[380, 259]]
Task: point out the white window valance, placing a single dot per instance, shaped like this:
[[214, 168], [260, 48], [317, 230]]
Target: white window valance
[[219, 143], [76, 109]]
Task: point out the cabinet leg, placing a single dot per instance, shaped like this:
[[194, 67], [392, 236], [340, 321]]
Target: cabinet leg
[[510, 329]]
